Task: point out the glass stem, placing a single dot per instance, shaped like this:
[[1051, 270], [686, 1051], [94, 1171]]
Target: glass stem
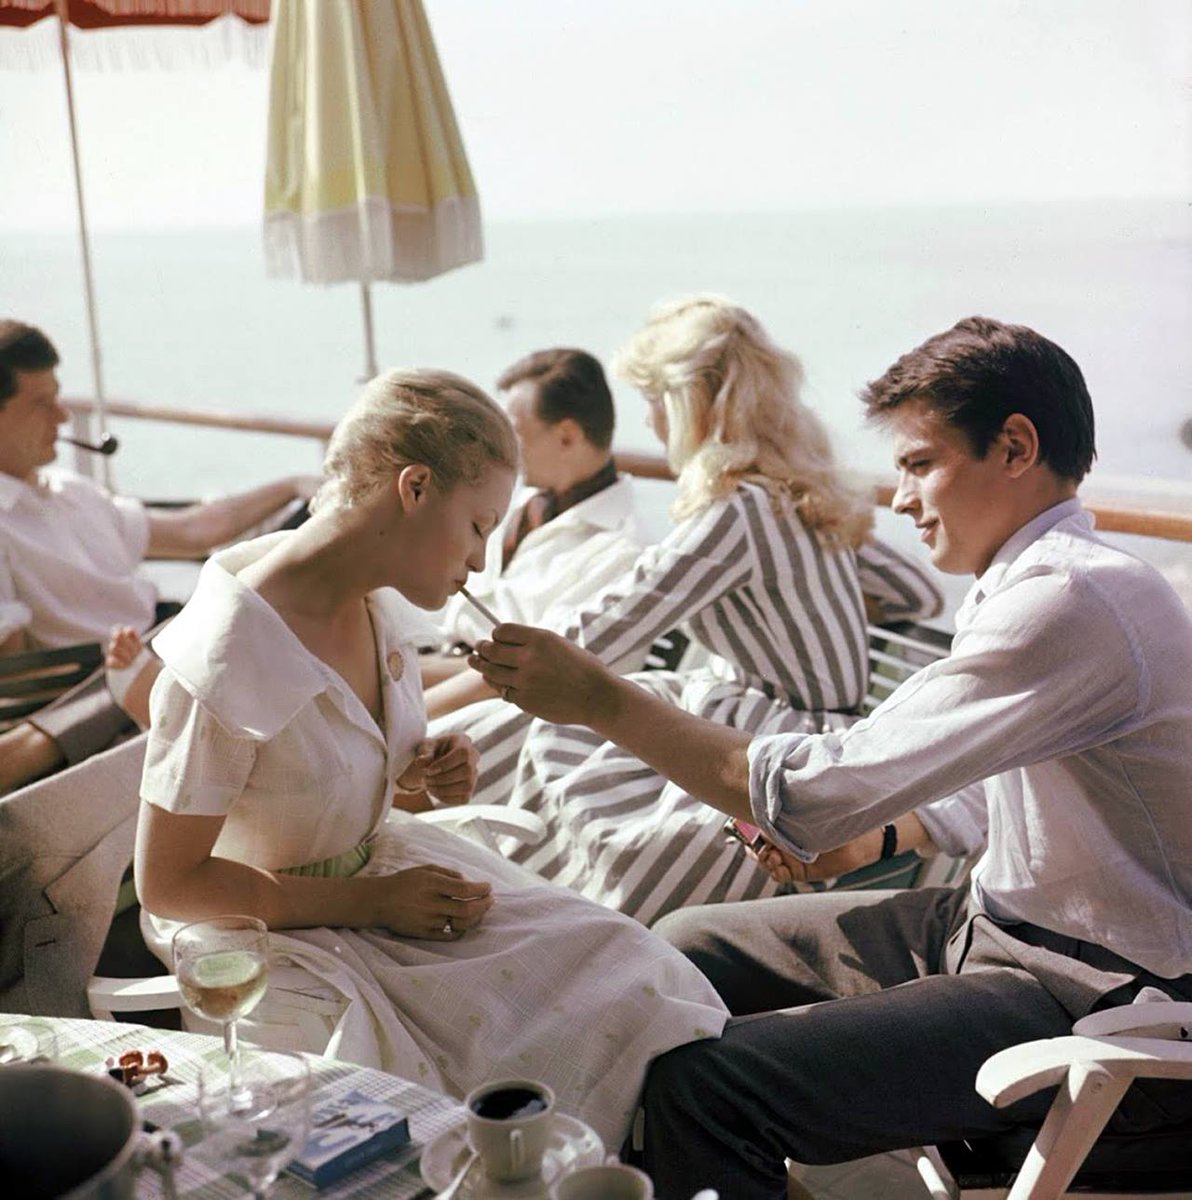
[[232, 1050]]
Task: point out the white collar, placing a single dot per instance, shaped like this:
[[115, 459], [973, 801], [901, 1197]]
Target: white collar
[[605, 509], [1020, 540], [233, 652], [13, 491]]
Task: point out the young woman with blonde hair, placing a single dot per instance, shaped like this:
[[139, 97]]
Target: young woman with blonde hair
[[287, 723], [769, 568]]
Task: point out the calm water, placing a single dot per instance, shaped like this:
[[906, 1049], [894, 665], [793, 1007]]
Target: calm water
[[190, 319]]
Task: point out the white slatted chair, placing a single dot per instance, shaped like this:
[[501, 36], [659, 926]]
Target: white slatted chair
[[1070, 1154]]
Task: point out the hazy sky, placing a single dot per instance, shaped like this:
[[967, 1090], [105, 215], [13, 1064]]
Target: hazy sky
[[581, 107]]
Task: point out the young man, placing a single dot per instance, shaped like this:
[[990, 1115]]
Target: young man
[[574, 530], [1068, 691], [69, 551]]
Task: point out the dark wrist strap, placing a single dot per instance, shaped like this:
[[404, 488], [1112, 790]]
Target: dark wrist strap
[[889, 841]]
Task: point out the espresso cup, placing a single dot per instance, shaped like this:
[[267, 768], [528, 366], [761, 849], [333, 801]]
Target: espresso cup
[[610, 1181], [509, 1127]]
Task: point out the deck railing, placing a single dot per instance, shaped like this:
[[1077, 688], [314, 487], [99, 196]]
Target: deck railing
[[1120, 509]]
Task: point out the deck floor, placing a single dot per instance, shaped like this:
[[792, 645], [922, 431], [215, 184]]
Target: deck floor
[[882, 1177]]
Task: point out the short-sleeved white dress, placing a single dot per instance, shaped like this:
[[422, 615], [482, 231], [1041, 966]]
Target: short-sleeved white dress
[[248, 724]]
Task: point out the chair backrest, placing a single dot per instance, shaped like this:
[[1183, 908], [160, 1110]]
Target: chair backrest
[[896, 652], [30, 680]]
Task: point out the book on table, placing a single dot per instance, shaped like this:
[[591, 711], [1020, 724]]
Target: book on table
[[346, 1132]]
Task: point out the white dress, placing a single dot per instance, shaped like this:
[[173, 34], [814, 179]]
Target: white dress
[[247, 723]]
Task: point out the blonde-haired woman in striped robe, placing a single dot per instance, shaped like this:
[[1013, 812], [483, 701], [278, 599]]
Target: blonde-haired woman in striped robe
[[769, 568]]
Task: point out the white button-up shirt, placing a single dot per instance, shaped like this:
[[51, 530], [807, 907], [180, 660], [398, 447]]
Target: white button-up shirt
[[560, 565], [69, 553], [1069, 691]]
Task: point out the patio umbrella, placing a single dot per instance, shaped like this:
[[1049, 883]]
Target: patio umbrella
[[366, 177], [101, 14]]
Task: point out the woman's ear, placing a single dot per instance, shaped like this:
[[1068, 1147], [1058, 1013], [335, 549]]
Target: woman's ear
[[1018, 442], [413, 485]]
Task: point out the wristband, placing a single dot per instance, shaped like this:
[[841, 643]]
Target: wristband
[[889, 841]]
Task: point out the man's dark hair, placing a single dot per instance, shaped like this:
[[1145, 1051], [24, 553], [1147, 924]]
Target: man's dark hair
[[980, 372], [568, 383], [22, 348]]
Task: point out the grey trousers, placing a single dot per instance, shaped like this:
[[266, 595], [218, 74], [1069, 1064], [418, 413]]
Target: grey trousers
[[860, 1022]]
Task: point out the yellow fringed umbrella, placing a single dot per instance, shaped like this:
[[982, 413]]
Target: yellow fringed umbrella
[[366, 177]]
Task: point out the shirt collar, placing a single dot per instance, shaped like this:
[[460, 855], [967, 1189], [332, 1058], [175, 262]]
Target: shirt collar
[[1013, 546], [232, 651], [12, 491], [607, 508]]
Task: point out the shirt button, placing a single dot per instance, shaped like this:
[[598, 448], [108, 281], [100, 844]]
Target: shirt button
[[396, 665]]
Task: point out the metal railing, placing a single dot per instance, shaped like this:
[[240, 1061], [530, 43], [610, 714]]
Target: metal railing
[[1169, 517]]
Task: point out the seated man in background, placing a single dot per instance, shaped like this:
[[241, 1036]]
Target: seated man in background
[[861, 1019], [69, 554], [575, 532]]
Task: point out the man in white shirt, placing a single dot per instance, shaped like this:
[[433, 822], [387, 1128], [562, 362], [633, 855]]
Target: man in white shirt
[[69, 551], [861, 1019], [572, 531]]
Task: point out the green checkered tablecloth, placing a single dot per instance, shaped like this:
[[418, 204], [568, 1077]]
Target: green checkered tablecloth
[[86, 1046]]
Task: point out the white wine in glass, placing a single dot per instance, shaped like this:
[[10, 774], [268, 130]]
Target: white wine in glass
[[222, 966]]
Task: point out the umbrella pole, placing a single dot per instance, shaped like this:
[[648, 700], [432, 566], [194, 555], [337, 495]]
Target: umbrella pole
[[370, 348], [88, 282]]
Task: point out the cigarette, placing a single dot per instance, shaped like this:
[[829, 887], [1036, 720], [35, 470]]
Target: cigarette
[[486, 613]]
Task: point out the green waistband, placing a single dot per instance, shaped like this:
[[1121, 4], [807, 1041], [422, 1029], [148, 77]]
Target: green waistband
[[337, 867]]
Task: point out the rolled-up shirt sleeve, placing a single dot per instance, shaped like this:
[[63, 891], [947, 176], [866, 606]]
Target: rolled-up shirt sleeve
[[1034, 677]]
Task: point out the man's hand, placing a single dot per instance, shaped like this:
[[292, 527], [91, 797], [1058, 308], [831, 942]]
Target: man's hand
[[544, 674], [445, 767]]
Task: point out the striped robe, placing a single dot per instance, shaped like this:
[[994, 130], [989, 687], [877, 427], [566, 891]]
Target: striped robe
[[782, 620]]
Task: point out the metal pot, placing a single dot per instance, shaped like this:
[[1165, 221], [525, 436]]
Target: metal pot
[[70, 1136]]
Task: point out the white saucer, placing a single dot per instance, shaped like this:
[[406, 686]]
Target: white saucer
[[572, 1144]]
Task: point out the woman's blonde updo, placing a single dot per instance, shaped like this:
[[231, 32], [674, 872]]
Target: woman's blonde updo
[[733, 413], [415, 416]]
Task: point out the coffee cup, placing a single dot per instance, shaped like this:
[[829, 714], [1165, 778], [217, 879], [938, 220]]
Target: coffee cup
[[509, 1127], [610, 1181]]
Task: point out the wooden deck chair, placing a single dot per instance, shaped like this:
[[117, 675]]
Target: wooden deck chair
[[1071, 1155]]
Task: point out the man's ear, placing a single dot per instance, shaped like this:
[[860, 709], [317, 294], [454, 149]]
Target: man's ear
[[413, 485], [569, 432], [1018, 443]]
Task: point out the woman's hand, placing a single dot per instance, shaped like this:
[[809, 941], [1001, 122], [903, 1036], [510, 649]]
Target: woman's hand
[[432, 902], [446, 767], [543, 673]]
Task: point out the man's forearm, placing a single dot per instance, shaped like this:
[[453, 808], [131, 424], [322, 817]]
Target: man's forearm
[[705, 759], [201, 527]]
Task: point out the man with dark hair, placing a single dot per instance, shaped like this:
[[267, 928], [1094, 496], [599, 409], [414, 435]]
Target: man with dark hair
[[861, 1019], [574, 532], [69, 552]]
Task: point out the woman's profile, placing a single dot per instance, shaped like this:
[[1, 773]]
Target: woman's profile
[[287, 720]]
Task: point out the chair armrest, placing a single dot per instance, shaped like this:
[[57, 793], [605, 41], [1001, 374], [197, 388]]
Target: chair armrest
[[1020, 1071], [1167, 1019], [527, 827], [106, 995]]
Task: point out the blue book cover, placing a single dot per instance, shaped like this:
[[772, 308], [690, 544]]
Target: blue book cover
[[346, 1132]]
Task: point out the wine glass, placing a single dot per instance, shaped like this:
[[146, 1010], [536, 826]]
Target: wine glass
[[221, 965], [259, 1122]]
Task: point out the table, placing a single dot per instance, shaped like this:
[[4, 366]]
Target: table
[[85, 1045]]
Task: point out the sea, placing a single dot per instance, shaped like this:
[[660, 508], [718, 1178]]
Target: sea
[[188, 318]]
